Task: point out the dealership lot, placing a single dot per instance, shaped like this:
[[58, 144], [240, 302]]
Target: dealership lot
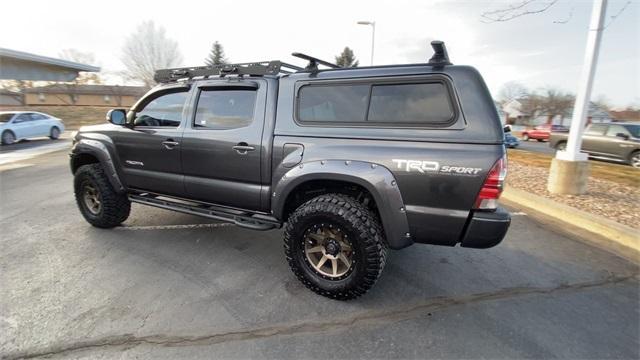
[[169, 285]]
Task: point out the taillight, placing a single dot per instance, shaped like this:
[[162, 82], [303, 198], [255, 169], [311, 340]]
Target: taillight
[[492, 188]]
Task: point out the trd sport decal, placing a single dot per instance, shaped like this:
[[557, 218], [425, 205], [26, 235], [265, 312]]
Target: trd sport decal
[[434, 166]]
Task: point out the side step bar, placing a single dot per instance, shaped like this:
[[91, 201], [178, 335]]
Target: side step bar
[[237, 217]]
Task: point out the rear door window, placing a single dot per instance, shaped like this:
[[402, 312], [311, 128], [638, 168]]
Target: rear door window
[[225, 109]]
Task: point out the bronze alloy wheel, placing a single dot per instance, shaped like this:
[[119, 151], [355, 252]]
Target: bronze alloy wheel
[[92, 198], [328, 251]]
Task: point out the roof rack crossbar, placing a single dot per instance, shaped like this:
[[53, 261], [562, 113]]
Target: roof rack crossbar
[[313, 62], [252, 69]]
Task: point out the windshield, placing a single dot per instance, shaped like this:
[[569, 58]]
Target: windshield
[[5, 117], [634, 130]]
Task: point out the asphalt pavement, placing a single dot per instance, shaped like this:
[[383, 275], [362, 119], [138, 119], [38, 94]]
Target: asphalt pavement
[[536, 146], [26, 149], [169, 285]]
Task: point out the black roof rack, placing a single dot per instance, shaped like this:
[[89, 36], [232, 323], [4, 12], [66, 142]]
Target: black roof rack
[[439, 59], [313, 62], [252, 69]]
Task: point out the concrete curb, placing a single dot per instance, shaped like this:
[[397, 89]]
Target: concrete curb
[[619, 238]]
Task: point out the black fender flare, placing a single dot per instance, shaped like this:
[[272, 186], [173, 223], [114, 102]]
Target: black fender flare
[[100, 151], [377, 179]]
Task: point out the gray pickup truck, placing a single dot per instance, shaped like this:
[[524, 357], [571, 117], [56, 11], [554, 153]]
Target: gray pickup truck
[[351, 161], [611, 141]]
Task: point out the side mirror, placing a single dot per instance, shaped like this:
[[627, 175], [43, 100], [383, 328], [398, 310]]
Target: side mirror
[[507, 129], [623, 136], [117, 117]]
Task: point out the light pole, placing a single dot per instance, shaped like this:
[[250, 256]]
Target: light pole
[[373, 35], [570, 168]]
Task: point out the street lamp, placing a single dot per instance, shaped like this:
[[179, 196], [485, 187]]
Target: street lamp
[[570, 168], [373, 35]]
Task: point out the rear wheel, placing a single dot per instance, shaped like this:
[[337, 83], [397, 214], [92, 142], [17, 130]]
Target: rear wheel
[[8, 137], [54, 133], [335, 246], [561, 146], [525, 137], [634, 159], [100, 205]]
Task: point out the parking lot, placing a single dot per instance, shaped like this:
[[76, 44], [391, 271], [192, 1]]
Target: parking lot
[[167, 285]]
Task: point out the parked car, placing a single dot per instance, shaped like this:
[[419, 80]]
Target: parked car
[[350, 161], [19, 125], [511, 141], [613, 141], [541, 132]]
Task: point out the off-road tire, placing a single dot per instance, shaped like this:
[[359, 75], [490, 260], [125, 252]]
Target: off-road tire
[[4, 137], [114, 208], [54, 133], [367, 239]]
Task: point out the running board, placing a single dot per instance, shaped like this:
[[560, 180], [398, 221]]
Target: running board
[[237, 217]]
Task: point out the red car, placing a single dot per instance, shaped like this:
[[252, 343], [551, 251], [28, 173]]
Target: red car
[[541, 132]]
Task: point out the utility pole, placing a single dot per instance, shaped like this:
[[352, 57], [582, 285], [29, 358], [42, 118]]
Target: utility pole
[[373, 35], [570, 168]]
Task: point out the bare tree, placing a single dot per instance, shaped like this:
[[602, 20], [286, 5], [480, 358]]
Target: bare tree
[[147, 50], [556, 103], [532, 105], [531, 7], [84, 78], [603, 103], [515, 10], [512, 90]]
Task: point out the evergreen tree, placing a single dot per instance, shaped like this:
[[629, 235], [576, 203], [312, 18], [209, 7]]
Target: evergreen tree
[[346, 59], [216, 56]]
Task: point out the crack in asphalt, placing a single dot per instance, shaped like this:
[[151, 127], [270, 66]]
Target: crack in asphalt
[[367, 317]]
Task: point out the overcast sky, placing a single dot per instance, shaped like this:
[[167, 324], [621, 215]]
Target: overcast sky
[[534, 50]]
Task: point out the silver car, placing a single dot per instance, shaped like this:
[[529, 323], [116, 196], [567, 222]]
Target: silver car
[[18, 125]]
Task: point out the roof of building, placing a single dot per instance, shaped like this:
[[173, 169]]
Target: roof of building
[[19, 65], [20, 55], [88, 89]]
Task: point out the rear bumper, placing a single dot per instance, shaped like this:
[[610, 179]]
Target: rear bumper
[[486, 229]]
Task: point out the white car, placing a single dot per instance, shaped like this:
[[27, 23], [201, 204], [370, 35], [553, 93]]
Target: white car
[[18, 125]]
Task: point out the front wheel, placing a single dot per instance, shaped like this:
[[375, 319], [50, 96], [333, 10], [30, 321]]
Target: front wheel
[[8, 137], [335, 246], [561, 146], [98, 202], [54, 133]]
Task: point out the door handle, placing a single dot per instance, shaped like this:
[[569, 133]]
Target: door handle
[[242, 148], [170, 144]]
